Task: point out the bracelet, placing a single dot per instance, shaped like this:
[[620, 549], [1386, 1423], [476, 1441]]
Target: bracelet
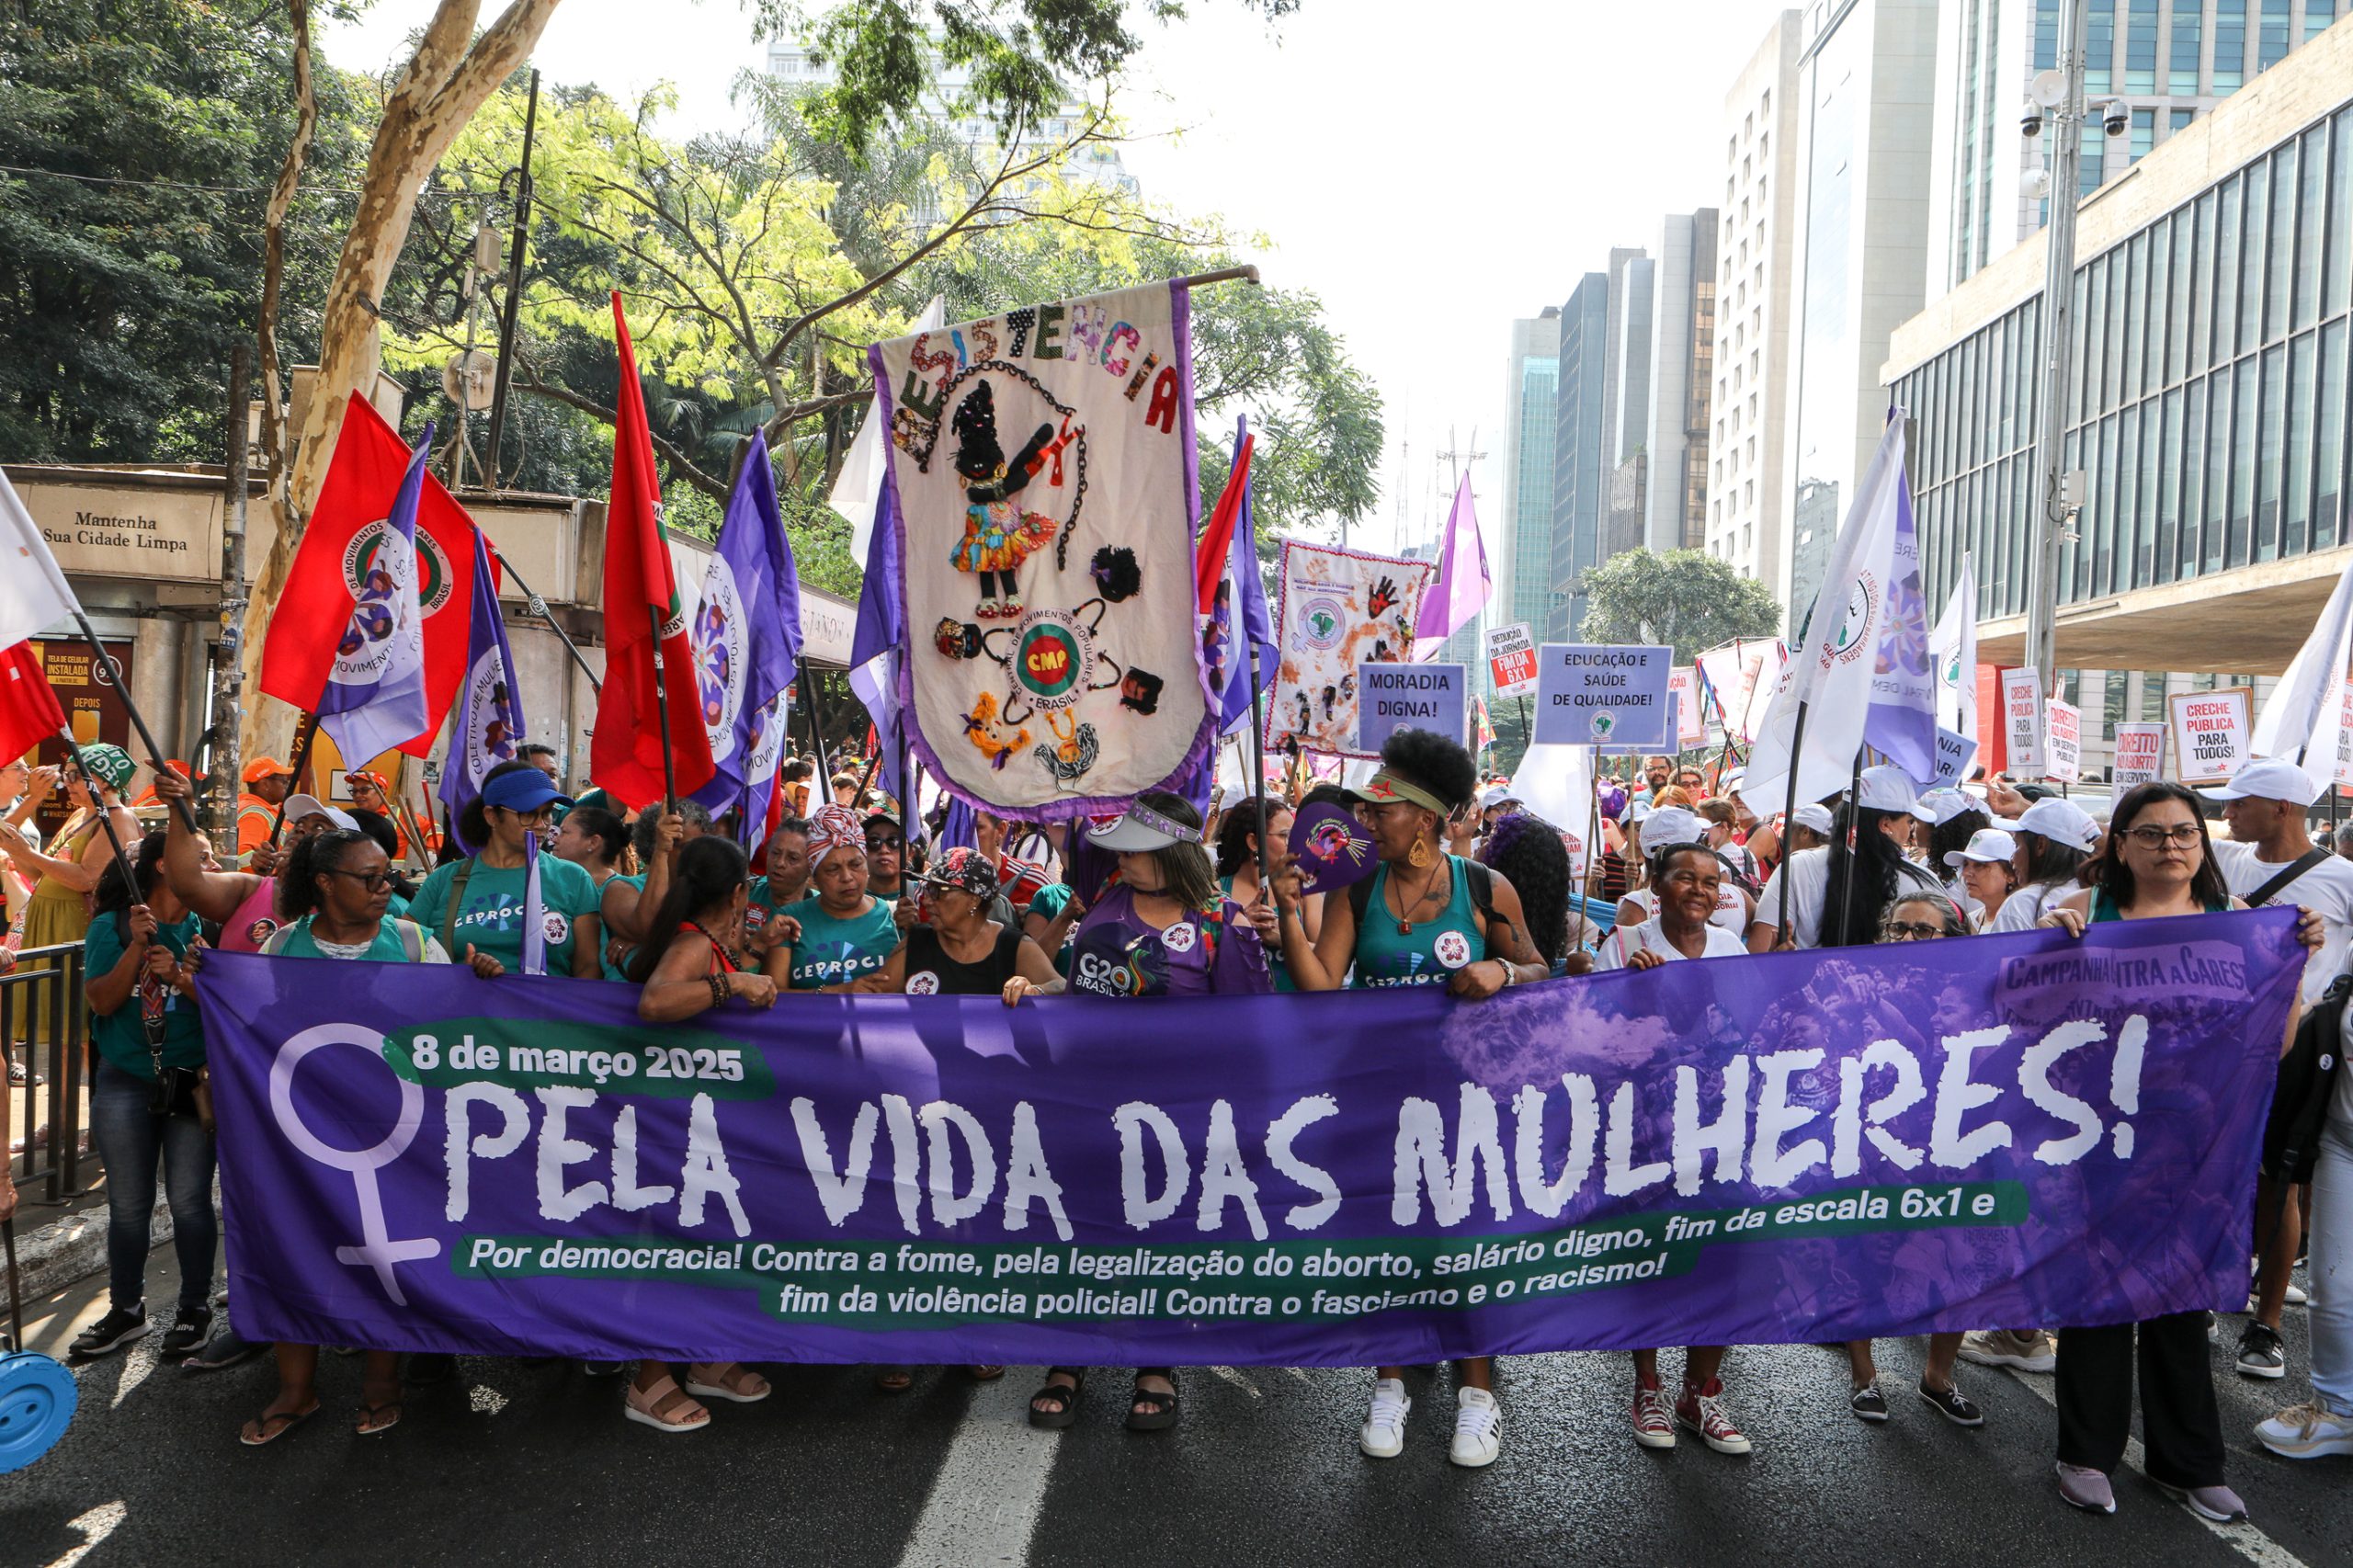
[[718, 990], [1511, 974]]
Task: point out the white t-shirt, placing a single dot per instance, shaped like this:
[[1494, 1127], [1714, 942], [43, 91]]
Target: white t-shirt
[[1808, 871], [2031, 904], [2326, 890], [1650, 937], [1732, 906]]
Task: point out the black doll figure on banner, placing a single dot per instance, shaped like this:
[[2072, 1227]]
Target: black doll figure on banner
[[998, 534]]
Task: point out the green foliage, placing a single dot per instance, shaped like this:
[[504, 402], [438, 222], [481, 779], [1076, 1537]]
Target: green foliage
[[1686, 597], [130, 265], [890, 56]]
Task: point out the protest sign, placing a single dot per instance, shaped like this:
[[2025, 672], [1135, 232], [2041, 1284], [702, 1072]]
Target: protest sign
[[2022, 718], [2052, 1130], [1955, 752], [2344, 743], [2210, 733], [1338, 610], [1599, 694], [2063, 727], [1690, 722], [1409, 696], [2140, 754], [1511, 657]]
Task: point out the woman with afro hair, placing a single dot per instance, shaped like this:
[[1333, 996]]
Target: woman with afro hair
[[1424, 917]]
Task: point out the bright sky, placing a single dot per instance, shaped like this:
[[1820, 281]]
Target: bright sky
[[1431, 171]]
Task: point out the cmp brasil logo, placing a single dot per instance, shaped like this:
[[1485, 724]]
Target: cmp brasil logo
[[1853, 635], [1051, 656], [433, 578]]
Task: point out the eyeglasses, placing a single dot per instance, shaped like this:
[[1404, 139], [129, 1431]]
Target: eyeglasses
[[875, 842], [1905, 931], [2155, 835], [374, 882]]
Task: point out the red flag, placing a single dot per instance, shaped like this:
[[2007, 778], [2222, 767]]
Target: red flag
[[313, 614], [1209, 563], [28, 709], [625, 751]]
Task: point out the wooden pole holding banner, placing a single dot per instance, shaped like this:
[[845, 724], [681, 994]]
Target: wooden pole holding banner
[[1258, 747], [1246, 274]]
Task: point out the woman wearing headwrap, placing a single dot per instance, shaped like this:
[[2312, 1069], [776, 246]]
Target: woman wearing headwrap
[[841, 934], [1424, 917], [64, 883]]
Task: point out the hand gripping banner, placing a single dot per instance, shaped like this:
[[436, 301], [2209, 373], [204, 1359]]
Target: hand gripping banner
[[1041, 467], [1805, 1146]]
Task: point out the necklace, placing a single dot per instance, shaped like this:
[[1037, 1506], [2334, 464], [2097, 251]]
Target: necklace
[[1429, 888]]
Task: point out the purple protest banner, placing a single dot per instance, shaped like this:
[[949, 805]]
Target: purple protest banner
[[1804, 1146]]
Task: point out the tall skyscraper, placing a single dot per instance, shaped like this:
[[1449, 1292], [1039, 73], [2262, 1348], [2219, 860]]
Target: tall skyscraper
[[1581, 447], [1681, 359], [1755, 233], [2170, 61], [1524, 574], [1866, 68]]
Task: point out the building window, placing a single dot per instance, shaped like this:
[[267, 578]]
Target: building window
[[2274, 35], [2145, 134], [2318, 14], [2141, 48], [2230, 46], [2178, 118], [2181, 60], [2093, 168], [2099, 47], [2046, 34]]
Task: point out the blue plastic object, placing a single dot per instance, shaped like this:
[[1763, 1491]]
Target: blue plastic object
[[37, 1400]]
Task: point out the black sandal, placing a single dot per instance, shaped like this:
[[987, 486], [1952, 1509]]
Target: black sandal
[[1163, 1412], [1065, 1400]]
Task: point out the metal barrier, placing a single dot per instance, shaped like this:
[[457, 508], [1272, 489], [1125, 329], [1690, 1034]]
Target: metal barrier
[[46, 984]]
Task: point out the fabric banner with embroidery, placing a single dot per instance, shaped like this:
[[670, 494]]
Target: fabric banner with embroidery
[[1043, 483], [1339, 610]]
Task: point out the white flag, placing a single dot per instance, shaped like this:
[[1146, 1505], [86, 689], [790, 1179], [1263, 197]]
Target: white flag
[[858, 486], [33, 595], [1829, 675], [2304, 712], [1954, 646]]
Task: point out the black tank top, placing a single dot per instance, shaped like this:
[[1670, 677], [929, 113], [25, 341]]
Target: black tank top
[[931, 972]]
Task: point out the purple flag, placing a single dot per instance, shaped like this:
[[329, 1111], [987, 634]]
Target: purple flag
[[488, 723], [1795, 1147], [374, 698], [747, 636], [1229, 660], [1902, 721], [1463, 587], [882, 631]]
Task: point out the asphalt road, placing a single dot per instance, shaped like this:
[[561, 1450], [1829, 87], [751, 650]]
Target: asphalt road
[[514, 1464]]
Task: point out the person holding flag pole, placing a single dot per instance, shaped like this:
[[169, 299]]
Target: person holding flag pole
[[1233, 599]]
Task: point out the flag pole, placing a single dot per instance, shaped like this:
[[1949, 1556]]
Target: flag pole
[[662, 715], [302, 743], [816, 732], [1854, 827], [538, 607], [1789, 824], [1259, 761], [138, 721], [1592, 830]]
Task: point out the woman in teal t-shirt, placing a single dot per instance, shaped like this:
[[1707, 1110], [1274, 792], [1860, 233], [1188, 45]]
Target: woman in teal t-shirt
[[1237, 868], [1423, 924], [844, 932], [475, 905], [139, 982]]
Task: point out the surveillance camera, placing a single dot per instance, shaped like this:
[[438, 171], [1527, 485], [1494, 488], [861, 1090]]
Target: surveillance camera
[[2030, 119], [2116, 117]]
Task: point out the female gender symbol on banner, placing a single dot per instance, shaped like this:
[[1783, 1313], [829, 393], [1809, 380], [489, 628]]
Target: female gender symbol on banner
[[378, 1251]]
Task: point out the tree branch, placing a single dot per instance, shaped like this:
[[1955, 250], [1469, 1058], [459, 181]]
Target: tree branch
[[684, 465]]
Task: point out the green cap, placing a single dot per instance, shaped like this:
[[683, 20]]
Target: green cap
[[109, 764]]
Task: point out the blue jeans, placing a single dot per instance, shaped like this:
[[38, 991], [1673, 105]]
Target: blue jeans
[[2331, 1229], [134, 1141]]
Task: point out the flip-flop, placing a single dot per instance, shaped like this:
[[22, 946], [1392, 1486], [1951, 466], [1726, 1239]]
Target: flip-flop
[[287, 1421], [895, 1380], [370, 1412], [984, 1374]]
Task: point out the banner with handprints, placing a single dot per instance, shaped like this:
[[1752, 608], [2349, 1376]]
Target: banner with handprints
[[1338, 609]]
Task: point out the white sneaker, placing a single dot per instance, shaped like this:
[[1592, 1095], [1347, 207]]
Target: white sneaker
[[1478, 1428], [2034, 1351], [2306, 1432], [1383, 1436]]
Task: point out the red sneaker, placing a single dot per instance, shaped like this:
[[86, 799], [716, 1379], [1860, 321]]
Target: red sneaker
[[1703, 1410], [1654, 1417]]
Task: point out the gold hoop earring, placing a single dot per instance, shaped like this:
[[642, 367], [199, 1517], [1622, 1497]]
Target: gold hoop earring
[[1420, 855]]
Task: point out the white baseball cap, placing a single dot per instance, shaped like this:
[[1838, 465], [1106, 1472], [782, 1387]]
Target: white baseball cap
[[1946, 803], [2062, 822], [1816, 817], [1497, 795], [1670, 824], [1888, 789], [2268, 778], [1987, 847], [300, 806]]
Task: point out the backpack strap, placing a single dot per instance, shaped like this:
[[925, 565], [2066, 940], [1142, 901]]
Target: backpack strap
[[2285, 875], [1482, 892], [450, 910], [412, 937]]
